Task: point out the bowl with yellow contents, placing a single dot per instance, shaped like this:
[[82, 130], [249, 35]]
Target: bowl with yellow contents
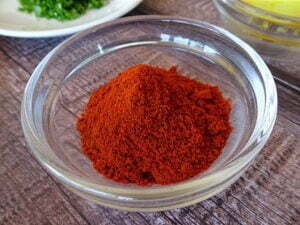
[[271, 27], [149, 113]]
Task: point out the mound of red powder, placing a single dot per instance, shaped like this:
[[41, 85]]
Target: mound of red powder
[[154, 126]]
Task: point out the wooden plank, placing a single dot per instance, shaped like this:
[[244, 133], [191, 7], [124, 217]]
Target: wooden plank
[[196, 9], [24, 184], [233, 206]]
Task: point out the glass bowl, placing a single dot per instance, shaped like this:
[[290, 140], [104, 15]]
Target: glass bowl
[[273, 35], [61, 84]]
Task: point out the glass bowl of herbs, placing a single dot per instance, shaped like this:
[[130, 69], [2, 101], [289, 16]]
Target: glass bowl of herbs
[[60, 86], [49, 18], [62, 10]]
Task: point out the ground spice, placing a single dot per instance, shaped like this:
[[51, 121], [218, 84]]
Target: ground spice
[[153, 126]]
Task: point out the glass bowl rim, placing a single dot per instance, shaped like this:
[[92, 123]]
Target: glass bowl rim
[[104, 191], [238, 4]]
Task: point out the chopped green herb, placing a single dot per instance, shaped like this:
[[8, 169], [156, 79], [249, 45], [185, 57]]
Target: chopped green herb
[[60, 9]]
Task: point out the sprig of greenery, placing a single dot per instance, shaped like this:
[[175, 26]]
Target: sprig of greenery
[[60, 9]]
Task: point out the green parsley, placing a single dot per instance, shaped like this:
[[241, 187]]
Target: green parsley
[[61, 10]]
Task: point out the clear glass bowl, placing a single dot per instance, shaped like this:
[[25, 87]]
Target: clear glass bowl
[[273, 35], [61, 84]]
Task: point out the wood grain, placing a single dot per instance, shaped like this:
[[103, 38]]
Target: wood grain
[[268, 192]]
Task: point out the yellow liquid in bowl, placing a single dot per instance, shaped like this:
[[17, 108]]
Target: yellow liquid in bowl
[[281, 7]]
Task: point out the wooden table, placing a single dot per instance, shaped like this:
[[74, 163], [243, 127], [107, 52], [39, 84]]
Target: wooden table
[[268, 193]]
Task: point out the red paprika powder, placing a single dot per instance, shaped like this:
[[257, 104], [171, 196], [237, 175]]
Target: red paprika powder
[[154, 126]]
